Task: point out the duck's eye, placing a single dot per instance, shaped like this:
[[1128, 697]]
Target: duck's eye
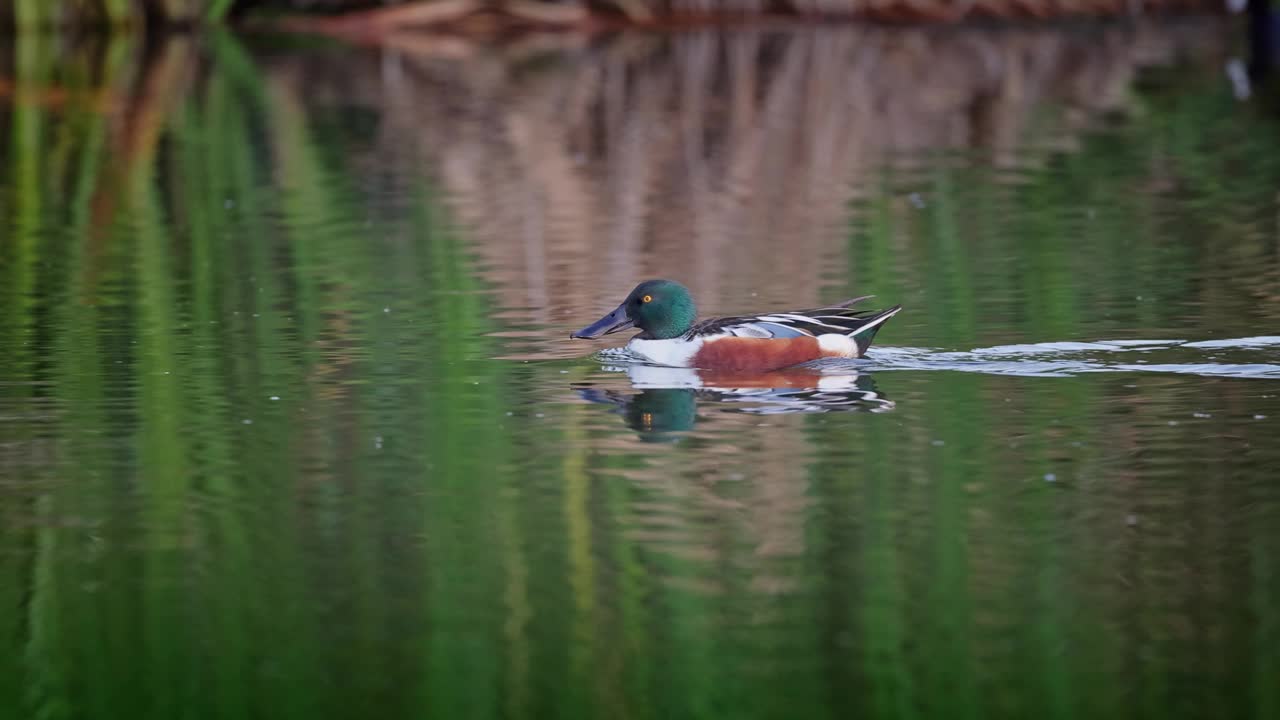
[[647, 298]]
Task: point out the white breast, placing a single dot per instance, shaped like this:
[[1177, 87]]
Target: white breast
[[676, 352]]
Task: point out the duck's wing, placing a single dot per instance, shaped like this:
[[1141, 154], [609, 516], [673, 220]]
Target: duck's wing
[[841, 319]]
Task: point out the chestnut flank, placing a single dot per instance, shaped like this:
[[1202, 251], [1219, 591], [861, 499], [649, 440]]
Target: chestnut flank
[[755, 354]]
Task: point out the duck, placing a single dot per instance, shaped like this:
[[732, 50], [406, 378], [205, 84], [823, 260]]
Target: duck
[[670, 334]]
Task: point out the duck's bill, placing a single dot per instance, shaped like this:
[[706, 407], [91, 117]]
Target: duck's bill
[[611, 323]]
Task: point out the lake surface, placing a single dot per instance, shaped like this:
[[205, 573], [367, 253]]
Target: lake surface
[[291, 427]]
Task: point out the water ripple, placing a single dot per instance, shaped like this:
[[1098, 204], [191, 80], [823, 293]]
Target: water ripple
[[1067, 359]]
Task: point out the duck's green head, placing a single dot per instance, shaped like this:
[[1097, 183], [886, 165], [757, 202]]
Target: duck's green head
[[663, 309]]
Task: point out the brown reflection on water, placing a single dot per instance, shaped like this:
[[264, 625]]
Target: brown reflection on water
[[727, 161], [990, 536]]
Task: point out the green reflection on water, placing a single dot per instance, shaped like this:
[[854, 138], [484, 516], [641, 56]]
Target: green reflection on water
[[258, 459]]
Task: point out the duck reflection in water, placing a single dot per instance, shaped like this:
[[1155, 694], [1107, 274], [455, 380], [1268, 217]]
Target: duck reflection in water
[[666, 401]]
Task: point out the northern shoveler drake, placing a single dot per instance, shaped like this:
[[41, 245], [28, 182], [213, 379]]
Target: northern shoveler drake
[[664, 312]]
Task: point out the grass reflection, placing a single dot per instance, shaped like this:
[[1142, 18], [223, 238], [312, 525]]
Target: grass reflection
[[257, 456]]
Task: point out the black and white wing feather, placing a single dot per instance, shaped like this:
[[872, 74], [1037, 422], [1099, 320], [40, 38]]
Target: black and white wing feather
[[839, 319]]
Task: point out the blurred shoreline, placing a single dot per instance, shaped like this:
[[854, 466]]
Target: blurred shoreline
[[574, 166], [377, 18], [585, 166]]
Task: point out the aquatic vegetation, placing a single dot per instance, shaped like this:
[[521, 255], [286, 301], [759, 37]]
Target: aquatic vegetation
[[45, 14], [264, 448], [368, 17]]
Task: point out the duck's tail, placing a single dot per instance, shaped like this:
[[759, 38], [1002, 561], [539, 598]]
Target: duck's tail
[[869, 325]]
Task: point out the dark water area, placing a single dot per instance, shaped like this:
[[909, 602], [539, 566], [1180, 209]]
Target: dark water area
[[291, 426]]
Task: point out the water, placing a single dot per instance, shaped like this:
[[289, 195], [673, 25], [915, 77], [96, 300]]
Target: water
[[290, 425]]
